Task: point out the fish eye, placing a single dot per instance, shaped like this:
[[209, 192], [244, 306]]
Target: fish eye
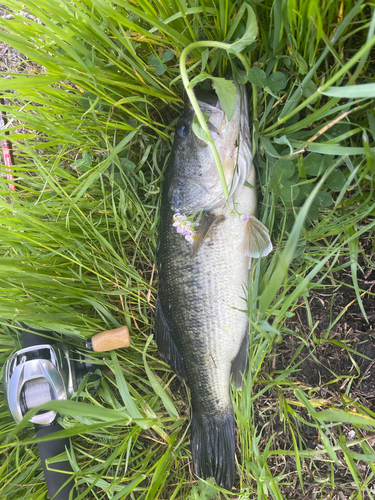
[[182, 130]]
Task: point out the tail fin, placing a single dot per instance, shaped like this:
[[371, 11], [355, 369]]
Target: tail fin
[[212, 447]]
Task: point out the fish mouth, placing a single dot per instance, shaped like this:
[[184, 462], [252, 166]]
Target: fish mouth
[[216, 117], [218, 122], [209, 104], [207, 97]]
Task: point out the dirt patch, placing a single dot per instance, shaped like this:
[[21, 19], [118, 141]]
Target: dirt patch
[[331, 355], [334, 366]]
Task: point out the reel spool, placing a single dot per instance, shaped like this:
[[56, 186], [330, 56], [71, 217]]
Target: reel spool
[[39, 374]]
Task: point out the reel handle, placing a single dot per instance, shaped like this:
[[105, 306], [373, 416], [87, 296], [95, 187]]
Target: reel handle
[[59, 485], [109, 340]]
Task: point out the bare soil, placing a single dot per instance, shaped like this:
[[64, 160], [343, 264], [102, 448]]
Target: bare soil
[[335, 366]]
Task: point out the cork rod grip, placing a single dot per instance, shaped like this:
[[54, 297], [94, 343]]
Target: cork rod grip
[[111, 339]]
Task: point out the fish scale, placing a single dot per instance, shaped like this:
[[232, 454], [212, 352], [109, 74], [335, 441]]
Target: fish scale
[[201, 326]]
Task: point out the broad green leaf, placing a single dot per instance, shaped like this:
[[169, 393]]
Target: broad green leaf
[[205, 55], [309, 89], [283, 169], [154, 60], [277, 81], [87, 159], [205, 116], [203, 75], [336, 181], [313, 212], [227, 94], [167, 56], [199, 132], [304, 191], [302, 65], [160, 69], [268, 147], [225, 90], [284, 140], [288, 191], [78, 163], [239, 75], [127, 165], [257, 76], [250, 32], [315, 164], [323, 199]]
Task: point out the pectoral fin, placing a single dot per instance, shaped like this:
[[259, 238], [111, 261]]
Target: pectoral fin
[[257, 242], [206, 222]]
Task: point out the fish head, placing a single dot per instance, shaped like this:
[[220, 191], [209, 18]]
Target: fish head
[[194, 179]]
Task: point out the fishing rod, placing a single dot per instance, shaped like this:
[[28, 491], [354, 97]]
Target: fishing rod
[[5, 146], [49, 370]]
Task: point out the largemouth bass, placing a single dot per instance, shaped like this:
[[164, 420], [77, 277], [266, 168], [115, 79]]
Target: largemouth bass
[[204, 252]]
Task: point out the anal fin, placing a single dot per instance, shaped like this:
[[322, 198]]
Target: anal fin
[[239, 363], [168, 351]]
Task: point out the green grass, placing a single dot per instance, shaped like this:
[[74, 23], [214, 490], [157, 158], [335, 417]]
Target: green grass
[[91, 123]]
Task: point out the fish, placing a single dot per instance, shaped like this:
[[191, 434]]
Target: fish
[[205, 246]]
